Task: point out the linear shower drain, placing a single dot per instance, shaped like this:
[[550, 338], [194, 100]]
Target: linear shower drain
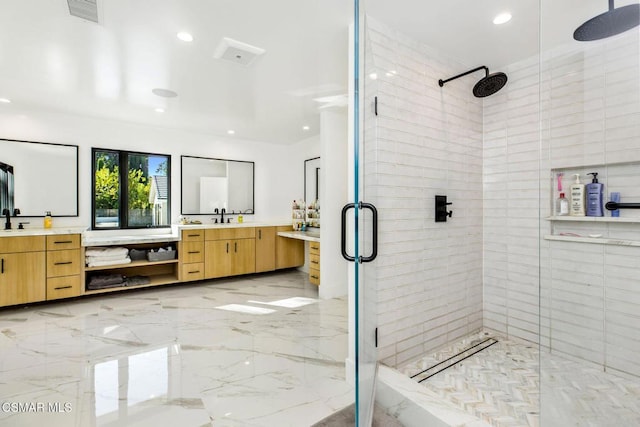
[[453, 360]]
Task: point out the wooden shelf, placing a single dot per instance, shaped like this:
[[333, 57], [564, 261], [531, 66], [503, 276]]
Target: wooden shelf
[[594, 219], [160, 279], [141, 263]]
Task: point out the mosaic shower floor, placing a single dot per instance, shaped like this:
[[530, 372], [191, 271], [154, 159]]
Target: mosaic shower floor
[[501, 385]]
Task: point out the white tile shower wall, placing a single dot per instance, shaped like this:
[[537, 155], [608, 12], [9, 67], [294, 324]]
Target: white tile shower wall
[[590, 115], [425, 141]]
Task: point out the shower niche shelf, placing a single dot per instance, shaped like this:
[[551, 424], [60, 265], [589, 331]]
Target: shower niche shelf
[[593, 240], [593, 219]]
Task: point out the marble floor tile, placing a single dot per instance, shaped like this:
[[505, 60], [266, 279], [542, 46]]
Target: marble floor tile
[[169, 356]]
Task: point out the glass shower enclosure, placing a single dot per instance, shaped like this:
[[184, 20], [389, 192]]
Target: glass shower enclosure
[[560, 294]]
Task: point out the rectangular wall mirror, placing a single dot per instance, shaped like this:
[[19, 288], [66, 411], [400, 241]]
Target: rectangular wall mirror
[[312, 190], [36, 177], [210, 184]]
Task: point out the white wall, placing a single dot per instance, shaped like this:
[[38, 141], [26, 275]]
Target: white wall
[[278, 168], [426, 141]]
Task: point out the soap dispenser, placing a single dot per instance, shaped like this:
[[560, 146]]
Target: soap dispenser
[[594, 196], [48, 220], [577, 197]]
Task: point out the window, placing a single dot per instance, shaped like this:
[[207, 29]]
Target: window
[[147, 179]]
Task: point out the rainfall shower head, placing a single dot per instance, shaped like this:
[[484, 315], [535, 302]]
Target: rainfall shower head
[[488, 85], [612, 22]]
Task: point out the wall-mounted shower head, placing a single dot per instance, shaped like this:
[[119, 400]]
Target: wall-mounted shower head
[[488, 85], [612, 22]]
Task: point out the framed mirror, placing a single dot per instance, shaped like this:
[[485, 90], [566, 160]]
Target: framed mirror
[[312, 180], [36, 177], [209, 184]]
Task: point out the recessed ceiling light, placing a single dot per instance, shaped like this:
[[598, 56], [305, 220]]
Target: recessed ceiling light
[[184, 36], [5, 100], [502, 18], [159, 110], [305, 128], [373, 76], [165, 93], [231, 132]]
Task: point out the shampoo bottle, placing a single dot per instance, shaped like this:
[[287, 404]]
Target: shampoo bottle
[[48, 220], [577, 197], [594, 196]]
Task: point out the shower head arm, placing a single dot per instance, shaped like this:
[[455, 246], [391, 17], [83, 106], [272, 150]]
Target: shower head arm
[[486, 70]]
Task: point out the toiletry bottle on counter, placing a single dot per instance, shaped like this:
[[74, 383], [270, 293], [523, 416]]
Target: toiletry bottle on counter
[[562, 206], [577, 197], [48, 220], [594, 196]]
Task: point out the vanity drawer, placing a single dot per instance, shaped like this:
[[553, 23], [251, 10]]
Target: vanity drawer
[[63, 241], [230, 233], [314, 276], [192, 252], [314, 248], [10, 245], [192, 235], [193, 271], [314, 261], [63, 263], [63, 287]]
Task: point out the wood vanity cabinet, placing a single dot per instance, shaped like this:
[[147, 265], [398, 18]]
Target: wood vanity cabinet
[[314, 263], [289, 252], [22, 270], [191, 252], [265, 249], [229, 252], [64, 266]]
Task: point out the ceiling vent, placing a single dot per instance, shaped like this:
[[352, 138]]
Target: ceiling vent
[[237, 52], [85, 9]]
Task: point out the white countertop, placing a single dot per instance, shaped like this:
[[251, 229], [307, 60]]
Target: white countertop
[[123, 237], [233, 225], [15, 232], [309, 236]]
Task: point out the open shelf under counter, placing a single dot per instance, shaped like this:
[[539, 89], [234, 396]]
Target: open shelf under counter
[[592, 240], [141, 263], [595, 219], [159, 279]]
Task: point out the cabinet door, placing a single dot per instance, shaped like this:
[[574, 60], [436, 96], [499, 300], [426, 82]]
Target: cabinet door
[[244, 256], [22, 278], [218, 258], [265, 249]]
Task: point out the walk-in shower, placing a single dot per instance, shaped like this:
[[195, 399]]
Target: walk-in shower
[[506, 314]]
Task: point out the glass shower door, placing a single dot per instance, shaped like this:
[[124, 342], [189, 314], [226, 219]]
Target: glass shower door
[[364, 237]]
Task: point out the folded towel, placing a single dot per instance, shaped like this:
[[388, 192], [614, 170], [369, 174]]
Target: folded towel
[[106, 251], [106, 280], [89, 259], [126, 260]]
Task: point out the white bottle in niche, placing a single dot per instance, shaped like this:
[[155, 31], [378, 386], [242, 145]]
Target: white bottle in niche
[[577, 197], [562, 206]]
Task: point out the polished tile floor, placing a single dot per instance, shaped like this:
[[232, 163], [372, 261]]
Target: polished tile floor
[[259, 350]]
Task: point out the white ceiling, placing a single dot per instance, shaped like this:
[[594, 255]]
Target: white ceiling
[[49, 59]]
